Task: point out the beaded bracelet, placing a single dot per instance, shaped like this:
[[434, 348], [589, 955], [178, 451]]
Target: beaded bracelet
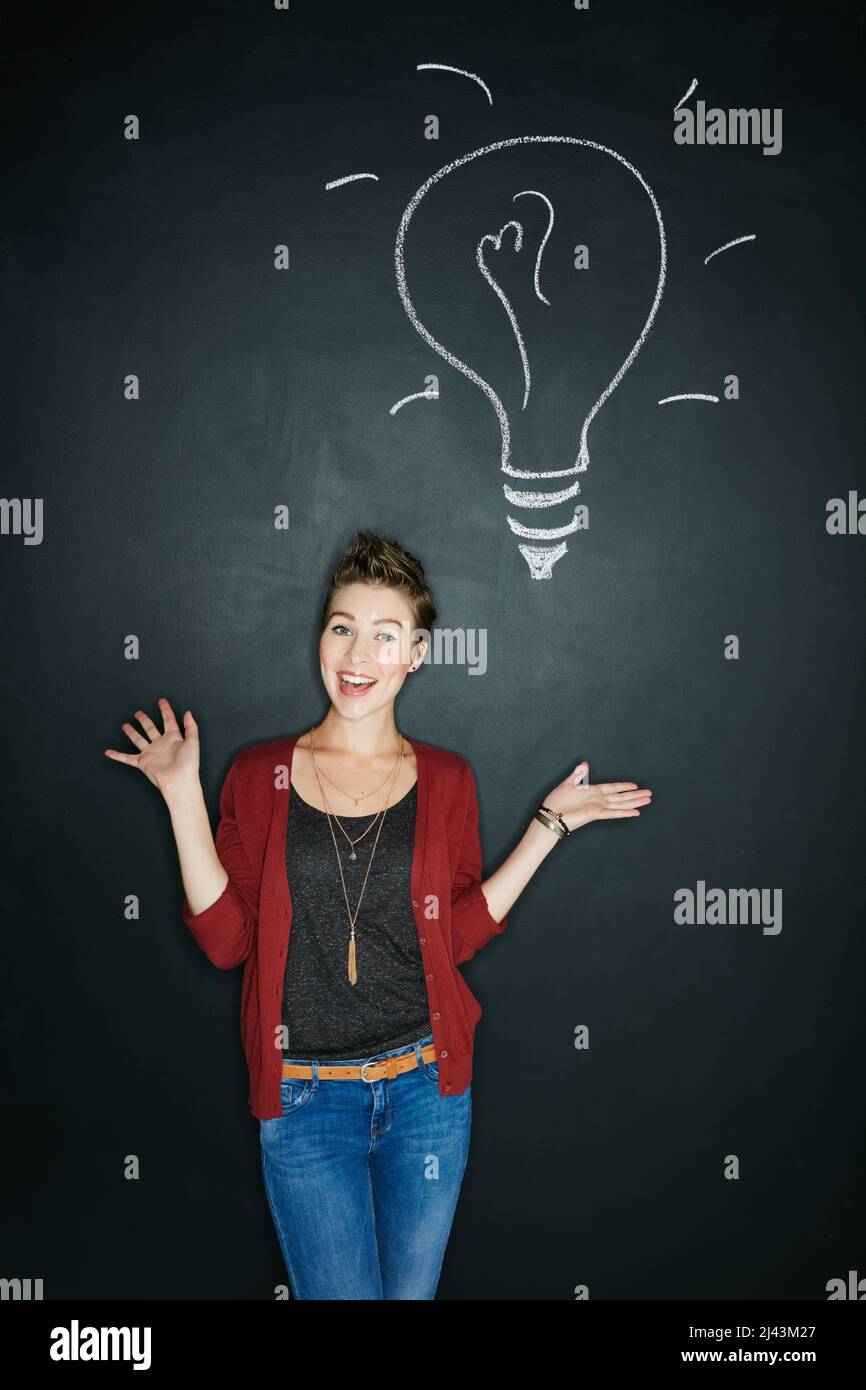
[[558, 825]]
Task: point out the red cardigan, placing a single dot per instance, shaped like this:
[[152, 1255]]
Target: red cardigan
[[251, 921]]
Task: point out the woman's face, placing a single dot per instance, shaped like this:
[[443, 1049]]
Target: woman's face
[[368, 635]]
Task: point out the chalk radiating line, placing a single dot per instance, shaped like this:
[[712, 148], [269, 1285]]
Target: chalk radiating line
[[479, 256], [524, 192], [687, 95], [418, 396], [349, 178], [736, 242], [446, 67], [689, 396]]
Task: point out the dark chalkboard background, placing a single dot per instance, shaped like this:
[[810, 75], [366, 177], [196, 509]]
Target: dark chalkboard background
[[263, 388]]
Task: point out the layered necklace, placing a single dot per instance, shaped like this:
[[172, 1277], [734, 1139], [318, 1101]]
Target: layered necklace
[[380, 817]]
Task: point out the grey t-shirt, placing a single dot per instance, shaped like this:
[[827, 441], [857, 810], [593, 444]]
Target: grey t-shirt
[[327, 1018]]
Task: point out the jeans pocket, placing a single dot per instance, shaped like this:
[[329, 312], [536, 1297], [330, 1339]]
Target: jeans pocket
[[294, 1095], [430, 1070]]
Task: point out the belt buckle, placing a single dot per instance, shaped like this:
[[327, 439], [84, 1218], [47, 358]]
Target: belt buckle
[[389, 1063]]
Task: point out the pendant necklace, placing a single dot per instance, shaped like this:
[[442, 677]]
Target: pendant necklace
[[352, 960], [318, 771]]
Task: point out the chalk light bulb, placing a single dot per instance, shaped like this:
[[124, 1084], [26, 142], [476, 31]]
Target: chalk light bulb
[[540, 557]]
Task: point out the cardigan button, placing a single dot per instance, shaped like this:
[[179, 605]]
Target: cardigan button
[[414, 902], [443, 1054], [423, 940], [437, 1015], [428, 977], [448, 1086]]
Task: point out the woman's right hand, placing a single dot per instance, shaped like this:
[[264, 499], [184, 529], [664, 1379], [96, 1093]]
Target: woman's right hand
[[170, 760]]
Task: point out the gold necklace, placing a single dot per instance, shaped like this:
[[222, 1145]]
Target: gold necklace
[[352, 965], [356, 799], [358, 838]]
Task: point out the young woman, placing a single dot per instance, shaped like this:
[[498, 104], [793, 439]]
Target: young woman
[[359, 1039]]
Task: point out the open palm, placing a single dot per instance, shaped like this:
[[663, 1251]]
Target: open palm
[[169, 759], [579, 802]]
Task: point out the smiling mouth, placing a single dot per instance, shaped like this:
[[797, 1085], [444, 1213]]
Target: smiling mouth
[[355, 685]]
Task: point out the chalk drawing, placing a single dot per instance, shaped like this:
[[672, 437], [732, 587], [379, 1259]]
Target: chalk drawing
[[534, 193], [687, 95], [446, 67], [540, 559], [349, 178], [689, 396], [416, 396], [728, 244], [479, 256]]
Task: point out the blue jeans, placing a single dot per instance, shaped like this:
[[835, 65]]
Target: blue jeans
[[363, 1179]]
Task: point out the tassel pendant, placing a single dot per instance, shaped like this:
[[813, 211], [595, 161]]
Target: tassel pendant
[[353, 855], [353, 974]]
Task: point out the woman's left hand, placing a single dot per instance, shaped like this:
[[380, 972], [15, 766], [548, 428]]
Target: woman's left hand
[[580, 803]]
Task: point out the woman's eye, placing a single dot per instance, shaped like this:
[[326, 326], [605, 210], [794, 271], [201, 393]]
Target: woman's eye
[[341, 627]]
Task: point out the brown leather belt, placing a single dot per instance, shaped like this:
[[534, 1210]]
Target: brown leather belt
[[370, 1071]]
